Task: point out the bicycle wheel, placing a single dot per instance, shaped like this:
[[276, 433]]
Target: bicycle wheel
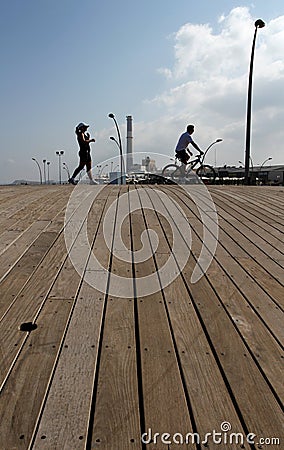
[[207, 174], [172, 171]]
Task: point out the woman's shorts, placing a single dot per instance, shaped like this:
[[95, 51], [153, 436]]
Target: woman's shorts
[[85, 157]]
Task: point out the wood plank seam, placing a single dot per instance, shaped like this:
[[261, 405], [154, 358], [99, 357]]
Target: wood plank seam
[[181, 371], [248, 273], [210, 343], [253, 211], [263, 237], [242, 246], [261, 232], [53, 372], [240, 335], [42, 302], [237, 285]]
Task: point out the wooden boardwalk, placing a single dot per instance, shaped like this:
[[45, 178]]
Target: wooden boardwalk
[[107, 360]]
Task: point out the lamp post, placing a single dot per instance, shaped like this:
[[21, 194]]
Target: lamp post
[[59, 154], [212, 143], [40, 174], [101, 171], [48, 163], [111, 116], [258, 24], [66, 172], [122, 167], [44, 173], [251, 162], [67, 169], [262, 164], [265, 178]]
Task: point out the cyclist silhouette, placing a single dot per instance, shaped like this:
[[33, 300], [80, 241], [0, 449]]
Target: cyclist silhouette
[[183, 154]]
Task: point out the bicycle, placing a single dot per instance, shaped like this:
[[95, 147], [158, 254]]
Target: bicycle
[[185, 173]]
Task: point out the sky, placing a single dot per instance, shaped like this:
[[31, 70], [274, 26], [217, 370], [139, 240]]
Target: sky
[[167, 63]]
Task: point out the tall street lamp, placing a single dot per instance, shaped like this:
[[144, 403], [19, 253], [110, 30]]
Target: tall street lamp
[[262, 164], [263, 175], [40, 174], [44, 172], [59, 154], [212, 143], [48, 163], [258, 24], [67, 169], [121, 157], [111, 116], [101, 171]]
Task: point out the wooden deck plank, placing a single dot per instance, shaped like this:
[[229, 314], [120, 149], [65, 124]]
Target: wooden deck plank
[[259, 335], [274, 222], [21, 262], [11, 198], [270, 246], [12, 286], [273, 198], [22, 396], [75, 373], [32, 296], [116, 422], [253, 394], [52, 321], [264, 201], [209, 398], [12, 255], [21, 212], [22, 224], [258, 296], [164, 401], [255, 246], [266, 272]]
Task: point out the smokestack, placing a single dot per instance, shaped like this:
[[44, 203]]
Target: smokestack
[[129, 141]]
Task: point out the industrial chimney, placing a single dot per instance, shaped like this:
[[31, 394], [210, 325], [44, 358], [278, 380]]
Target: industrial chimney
[[129, 139]]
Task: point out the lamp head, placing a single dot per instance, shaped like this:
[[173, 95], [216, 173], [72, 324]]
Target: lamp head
[[259, 23], [219, 140], [112, 138], [111, 115]]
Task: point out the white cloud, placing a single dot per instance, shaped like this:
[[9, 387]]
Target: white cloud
[[201, 53], [207, 85]]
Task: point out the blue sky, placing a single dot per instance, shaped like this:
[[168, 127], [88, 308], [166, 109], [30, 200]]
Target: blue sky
[[166, 63]]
